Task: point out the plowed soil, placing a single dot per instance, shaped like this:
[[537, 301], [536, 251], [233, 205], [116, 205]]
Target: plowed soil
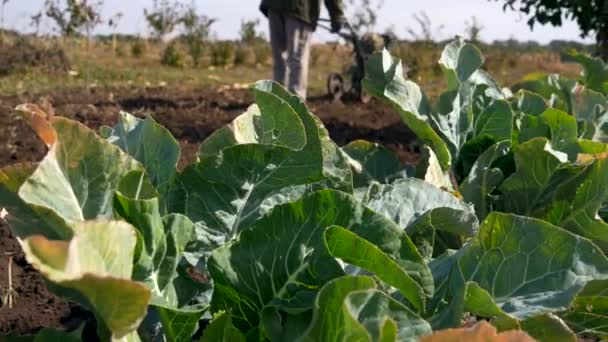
[[191, 116]]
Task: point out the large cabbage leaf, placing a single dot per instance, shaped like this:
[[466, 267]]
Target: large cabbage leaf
[[277, 266]]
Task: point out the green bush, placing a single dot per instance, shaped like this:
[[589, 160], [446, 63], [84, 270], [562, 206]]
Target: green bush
[[223, 54], [138, 48], [172, 56], [245, 55], [195, 50], [262, 53], [119, 50]]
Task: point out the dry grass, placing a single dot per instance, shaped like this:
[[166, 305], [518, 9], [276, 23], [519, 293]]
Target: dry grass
[[8, 294], [98, 65]]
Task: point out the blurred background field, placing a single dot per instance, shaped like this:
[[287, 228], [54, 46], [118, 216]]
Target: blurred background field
[[38, 64], [189, 75]]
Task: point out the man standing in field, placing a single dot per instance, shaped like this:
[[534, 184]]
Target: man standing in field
[[292, 23]]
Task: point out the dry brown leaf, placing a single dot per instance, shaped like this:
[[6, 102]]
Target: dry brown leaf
[[481, 332], [586, 158], [54, 250], [38, 119]]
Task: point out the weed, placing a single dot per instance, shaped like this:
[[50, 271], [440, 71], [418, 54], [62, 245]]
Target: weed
[[8, 295]]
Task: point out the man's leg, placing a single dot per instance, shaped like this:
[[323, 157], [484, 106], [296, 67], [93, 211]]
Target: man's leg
[[298, 55], [278, 41]]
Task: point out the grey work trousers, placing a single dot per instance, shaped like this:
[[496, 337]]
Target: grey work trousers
[[290, 40]]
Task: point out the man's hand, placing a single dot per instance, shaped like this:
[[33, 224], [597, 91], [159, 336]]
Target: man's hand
[[337, 24]]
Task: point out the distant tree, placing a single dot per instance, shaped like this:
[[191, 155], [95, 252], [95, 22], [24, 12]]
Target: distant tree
[[197, 32], [473, 29], [565, 45], [365, 16], [76, 17], [425, 31], [2, 4], [391, 32], [249, 32], [113, 24], [590, 15], [36, 20], [163, 17]]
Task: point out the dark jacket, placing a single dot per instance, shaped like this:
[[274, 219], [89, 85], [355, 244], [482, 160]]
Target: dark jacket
[[305, 10]]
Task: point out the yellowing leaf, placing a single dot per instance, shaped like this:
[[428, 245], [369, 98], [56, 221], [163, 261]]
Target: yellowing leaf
[[482, 332], [96, 263]]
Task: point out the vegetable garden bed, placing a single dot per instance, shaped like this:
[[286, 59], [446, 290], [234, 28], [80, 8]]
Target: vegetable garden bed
[[276, 233]]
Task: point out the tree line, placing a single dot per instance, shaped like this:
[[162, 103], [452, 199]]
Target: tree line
[[80, 17]]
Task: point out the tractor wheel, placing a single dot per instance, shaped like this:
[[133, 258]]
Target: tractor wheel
[[335, 86]]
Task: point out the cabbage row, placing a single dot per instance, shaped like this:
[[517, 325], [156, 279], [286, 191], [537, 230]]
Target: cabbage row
[[276, 233]]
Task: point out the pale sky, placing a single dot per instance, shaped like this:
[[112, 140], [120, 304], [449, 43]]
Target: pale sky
[[452, 14]]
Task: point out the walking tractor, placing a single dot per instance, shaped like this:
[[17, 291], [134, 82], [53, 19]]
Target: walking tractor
[[363, 46]]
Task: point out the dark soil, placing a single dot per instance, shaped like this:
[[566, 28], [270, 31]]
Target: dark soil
[[191, 116], [33, 305]]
